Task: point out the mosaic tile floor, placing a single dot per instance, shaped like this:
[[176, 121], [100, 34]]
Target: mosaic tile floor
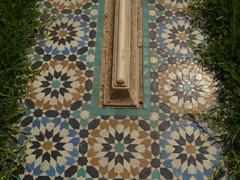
[[72, 137]]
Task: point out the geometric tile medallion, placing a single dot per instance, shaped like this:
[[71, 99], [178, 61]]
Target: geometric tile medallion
[[186, 88], [120, 148], [61, 83], [186, 152], [53, 147], [175, 36], [67, 33]]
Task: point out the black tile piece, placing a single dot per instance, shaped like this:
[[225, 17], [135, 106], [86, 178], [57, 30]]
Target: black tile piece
[[59, 57], [181, 141], [72, 58], [164, 126], [155, 163], [26, 121], [83, 133], [39, 50], [164, 107], [65, 114], [74, 123], [144, 125], [81, 65], [82, 50], [200, 158], [92, 171], [91, 43], [88, 85], [118, 136], [92, 34], [87, 97], [85, 18], [71, 171], [163, 68], [119, 159], [78, 11], [178, 149], [76, 105], [83, 147], [43, 178], [155, 148], [51, 113], [89, 73], [155, 135], [93, 124], [82, 161], [93, 24], [29, 103], [155, 98], [36, 65], [145, 173], [182, 157], [192, 160], [38, 112], [154, 86], [166, 173], [132, 147]]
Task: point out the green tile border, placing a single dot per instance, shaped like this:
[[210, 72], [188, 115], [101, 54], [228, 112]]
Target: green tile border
[[94, 107]]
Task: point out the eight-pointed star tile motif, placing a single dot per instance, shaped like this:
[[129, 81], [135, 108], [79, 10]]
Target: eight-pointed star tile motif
[[119, 148], [186, 88], [60, 84]]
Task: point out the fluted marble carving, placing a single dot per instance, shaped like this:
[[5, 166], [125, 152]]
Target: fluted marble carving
[[122, 37]]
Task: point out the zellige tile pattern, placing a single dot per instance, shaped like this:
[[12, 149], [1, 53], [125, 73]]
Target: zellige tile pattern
[[69, 141]]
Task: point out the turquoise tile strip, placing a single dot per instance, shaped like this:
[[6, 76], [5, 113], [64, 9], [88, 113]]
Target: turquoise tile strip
[[94, 107]]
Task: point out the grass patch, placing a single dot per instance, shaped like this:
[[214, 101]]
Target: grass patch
[[219, 21], [19, 24]]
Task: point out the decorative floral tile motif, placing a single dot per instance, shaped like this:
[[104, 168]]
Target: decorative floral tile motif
[[60, 84], [186, 151], [186, 88], [120, 148], [71, 33], [175, 37], [52, 148], [69, 36], [66, 33]]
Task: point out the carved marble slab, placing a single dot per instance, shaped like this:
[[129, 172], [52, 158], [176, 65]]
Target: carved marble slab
[[122, 54]]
